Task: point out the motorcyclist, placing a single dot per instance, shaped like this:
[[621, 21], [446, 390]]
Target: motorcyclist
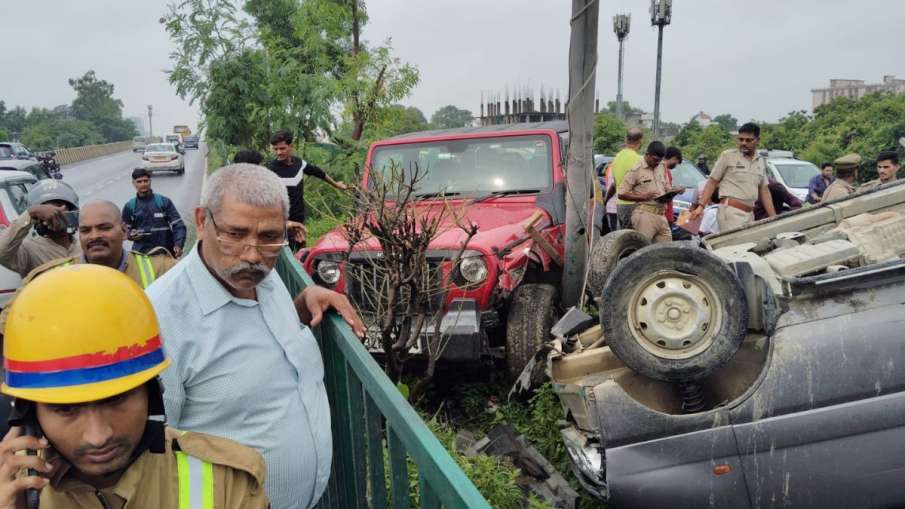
[[45, 231], [89, 401]]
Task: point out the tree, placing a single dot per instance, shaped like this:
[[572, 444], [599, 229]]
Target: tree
[[398, 119], [611, 107], [449, 117], [609, 134], [727, 122], [94, 103], [709, 142]]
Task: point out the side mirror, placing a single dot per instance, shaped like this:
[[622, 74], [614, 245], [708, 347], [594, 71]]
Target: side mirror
[[58, 176]]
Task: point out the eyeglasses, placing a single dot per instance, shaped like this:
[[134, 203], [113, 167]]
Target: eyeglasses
[[233, 243]]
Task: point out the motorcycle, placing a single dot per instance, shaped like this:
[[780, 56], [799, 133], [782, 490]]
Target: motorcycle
[[48, 160]]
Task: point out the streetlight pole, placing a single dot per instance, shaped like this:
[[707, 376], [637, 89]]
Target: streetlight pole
[[660, 16], [150, 125], [621, 24]]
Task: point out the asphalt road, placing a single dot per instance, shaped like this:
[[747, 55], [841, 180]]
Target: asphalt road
[[110, 178]]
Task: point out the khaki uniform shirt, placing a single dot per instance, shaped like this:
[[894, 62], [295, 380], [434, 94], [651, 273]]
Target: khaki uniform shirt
[[153, 480], [838, 189], [160, 263], [642, 178], [873, 184], [22, 253], [740, 177]]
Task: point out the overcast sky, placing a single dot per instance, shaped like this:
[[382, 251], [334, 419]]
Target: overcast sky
[[754, 59]]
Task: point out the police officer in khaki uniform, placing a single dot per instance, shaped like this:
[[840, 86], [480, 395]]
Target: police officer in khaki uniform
[[741, 175], [846, 174], [84, 375], [101, 236], [642, 184], [887, 168]]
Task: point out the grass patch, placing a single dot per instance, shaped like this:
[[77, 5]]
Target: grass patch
[[319, 227]]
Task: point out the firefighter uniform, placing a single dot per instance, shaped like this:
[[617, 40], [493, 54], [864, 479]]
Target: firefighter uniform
[[212, 472], [739, 179], [647, 217], [103, 344]]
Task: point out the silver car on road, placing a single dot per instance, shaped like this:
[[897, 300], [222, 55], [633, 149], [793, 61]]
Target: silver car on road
[[162, 157]]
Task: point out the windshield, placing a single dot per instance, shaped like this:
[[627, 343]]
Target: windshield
[[472, 166], [796, 174], [172, 138], [160, 147], [138, 140], [686, 175]]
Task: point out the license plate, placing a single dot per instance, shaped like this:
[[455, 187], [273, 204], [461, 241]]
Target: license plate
[[160, 159]]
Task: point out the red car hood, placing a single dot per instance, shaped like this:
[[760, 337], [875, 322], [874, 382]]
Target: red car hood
[[499, 223]]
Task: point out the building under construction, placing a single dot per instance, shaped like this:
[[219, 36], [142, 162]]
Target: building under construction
[[524, 107]]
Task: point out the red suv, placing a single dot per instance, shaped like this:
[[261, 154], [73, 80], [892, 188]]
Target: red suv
[[509, 181]]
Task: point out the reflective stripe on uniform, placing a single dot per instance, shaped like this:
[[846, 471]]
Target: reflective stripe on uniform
[[196, 482], [145, 269]]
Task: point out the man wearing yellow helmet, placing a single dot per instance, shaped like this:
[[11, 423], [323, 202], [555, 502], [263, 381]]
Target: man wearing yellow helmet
[[89, 401]]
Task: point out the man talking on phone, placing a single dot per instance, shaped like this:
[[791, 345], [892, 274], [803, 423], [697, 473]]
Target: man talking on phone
[[88, 422]]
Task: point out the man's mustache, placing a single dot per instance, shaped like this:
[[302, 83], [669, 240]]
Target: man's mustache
[[257, 270]]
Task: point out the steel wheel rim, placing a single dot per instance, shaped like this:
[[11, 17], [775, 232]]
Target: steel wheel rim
[[674, 315]]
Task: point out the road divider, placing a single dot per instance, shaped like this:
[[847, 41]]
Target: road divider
[[71, 155]]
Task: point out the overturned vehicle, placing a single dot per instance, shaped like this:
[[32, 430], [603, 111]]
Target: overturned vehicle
[[761, 367]]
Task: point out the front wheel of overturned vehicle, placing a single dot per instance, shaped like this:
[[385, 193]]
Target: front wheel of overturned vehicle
[[532, 314], [676, 312]]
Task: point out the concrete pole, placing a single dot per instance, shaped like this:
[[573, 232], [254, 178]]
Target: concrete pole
[[656, 127], [620, 109], [580, 164], [150, 125]]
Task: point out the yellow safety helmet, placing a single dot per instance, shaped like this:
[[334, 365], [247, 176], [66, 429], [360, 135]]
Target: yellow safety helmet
[[80, 333]]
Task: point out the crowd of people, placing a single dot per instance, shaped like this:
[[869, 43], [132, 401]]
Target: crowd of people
[[165, 379], [739, 188]]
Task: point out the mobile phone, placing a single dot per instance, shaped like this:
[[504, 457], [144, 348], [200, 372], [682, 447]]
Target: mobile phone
[[23, 415]]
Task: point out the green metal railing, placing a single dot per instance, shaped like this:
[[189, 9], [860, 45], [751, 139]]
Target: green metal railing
[[374, 427]]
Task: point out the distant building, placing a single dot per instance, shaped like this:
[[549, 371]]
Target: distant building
[[854, 89], [139, 125], [702, 119], [525, 108]]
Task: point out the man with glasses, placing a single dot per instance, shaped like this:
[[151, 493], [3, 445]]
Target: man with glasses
[[243, 368], [741, 174]]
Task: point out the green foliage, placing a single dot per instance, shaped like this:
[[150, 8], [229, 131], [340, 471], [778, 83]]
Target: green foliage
[[726, 121], [450, 117], [94, 103], [94, 117], [866, 126], [609, 134], [494, 477], [628, 108], [694, 141], [51, 132]]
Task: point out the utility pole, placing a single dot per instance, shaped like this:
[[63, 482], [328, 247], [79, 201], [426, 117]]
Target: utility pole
[[660, 16], [150, 125], [582, 72], [621, 25]]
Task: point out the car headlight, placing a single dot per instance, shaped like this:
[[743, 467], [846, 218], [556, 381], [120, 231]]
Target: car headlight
[[473, 269], [328, 271]]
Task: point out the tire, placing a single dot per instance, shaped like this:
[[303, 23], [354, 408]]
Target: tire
[[180, 171], [676, 312], [607, 252], [532, 313]]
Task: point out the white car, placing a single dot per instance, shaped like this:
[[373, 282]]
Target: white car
[[14, 187], [793, 173], [162, 157]]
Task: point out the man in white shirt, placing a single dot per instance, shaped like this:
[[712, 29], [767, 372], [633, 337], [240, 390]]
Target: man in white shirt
[[243, 368]]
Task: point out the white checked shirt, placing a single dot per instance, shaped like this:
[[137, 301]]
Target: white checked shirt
[[245, 370]]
